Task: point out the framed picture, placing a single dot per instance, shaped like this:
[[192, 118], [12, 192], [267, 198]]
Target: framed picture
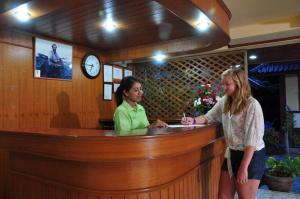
[[117, 73], [107, 91], [127, 72], [107, 73], [116, 86], [52, 60]]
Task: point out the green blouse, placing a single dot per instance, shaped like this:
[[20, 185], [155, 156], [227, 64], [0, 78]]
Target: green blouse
[[127, 118]]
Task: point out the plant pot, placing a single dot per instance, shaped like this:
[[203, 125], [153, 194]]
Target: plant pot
[[276, 183]]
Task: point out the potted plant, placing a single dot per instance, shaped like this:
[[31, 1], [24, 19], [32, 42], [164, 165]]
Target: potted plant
[[280, 173]]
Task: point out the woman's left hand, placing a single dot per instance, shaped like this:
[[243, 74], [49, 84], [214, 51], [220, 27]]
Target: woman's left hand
[[242, 176]]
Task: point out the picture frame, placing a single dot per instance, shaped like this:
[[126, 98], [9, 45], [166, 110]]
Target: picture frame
[[107, 74], [117, 73], [52, 60], [127, 72], [107, 91], [116, 86]]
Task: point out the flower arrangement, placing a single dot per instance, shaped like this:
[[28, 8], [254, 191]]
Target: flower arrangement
[[206, 98]]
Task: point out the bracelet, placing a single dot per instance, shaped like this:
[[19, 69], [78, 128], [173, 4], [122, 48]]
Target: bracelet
[[194, 122]]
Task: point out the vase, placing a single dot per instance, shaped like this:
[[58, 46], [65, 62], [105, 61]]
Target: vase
[[276, 183]]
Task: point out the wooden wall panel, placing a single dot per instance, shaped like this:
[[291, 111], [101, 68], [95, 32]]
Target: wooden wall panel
[[11, 86], [1, 88], [26, 101], [77, 90], [27, 115]]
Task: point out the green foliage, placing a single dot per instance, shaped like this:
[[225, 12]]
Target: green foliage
[[288, 167], [272, 140], [289, 122], [294, 138]]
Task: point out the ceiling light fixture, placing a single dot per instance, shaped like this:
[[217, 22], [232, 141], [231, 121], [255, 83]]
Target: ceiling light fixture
[[203, 22], [159, 57], [252, 57], [22, 13], [109, 24]]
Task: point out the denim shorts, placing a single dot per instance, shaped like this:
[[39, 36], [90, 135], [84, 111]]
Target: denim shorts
[[256, 167]]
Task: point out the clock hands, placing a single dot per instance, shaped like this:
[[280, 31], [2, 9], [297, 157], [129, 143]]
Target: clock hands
[[91, 65]]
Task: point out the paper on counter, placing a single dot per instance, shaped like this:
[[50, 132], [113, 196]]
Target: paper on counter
[[185, 125]]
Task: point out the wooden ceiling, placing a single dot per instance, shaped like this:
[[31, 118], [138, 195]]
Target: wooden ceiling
[[140, 22], [284, 53]]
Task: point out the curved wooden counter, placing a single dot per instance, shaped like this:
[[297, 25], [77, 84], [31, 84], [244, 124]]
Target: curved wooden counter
[[75, 163]]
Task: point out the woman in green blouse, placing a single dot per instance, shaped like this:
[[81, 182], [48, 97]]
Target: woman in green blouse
[[130, 115]]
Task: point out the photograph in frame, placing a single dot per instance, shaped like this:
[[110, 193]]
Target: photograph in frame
[[107, 73], [117, 73], [116, 86], [52, 60], [107, 91], [127, 72]]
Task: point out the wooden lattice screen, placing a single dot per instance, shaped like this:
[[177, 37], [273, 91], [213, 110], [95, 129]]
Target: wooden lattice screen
[[169, 89]]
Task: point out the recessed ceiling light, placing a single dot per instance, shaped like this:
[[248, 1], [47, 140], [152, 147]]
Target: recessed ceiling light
[[159, 57], [109, 25], [203, 22], [22, 13], [252, 57]]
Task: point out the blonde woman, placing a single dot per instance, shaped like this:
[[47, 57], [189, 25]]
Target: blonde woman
[[243, 124]]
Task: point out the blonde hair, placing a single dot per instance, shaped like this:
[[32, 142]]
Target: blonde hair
[[243, 90]]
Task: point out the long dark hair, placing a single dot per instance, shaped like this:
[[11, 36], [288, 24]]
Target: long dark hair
[[125, 85]]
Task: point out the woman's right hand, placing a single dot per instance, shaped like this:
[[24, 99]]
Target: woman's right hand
[[187, 120]]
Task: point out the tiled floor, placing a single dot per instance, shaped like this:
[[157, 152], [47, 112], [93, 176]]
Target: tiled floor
[[267, 194]]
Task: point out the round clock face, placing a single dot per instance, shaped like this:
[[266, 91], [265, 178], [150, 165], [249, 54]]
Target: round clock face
[[91, 66]]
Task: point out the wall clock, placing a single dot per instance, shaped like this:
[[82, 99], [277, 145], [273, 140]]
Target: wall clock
[[91, 66]]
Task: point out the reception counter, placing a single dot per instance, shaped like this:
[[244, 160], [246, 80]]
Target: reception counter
[[173, 163]]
